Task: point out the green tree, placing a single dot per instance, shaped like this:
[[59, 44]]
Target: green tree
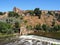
[[31, 12], [29, 27], [44, 27], [58, 17], [37, 27], [21, 17], [49, 12], [25, 21], [37, 12], [9, 20], [13, 14], [1, 13], [56, 28], [17, 27], [5, 27], [17, 24], [53, 22]]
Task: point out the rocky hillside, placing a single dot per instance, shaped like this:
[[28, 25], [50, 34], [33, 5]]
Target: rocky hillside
[[33, 20]]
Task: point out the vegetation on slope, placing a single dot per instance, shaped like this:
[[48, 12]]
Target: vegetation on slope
[[32, 22]]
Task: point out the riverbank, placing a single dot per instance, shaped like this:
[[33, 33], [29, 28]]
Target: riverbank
[[6, 38], [54, 35]]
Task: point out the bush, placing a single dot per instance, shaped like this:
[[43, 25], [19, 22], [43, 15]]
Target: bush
[[25, 21], [5, 27], [9, 20], [37, 27], [58, 17], [44, 27], [37, 12], [13, 14], [17, 25], [56, 28], [21, 17], [29, 27], [53, 22], [50, 13], [31, 12], [1, 13]]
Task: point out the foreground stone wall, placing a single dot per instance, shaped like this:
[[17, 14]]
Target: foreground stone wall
[[24, 31]]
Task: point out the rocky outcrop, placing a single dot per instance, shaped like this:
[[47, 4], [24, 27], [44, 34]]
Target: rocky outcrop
[[4, 16], [24, 31], [19, 11]]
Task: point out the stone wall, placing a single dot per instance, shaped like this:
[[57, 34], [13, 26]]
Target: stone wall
[[17, 10], [24, 31]]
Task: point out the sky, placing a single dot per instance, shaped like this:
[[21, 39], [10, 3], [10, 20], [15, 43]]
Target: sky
[[7, 5]]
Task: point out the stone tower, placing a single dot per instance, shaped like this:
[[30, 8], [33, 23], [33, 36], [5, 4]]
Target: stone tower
[[17, 10]]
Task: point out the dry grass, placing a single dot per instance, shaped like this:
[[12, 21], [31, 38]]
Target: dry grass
[[33, 20]]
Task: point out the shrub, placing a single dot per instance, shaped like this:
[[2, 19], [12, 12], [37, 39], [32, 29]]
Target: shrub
[[1, 13], [53, 22], [21, 17], [13, 14], [56, 28], [37, 27], [37, 12], [31, 12], [44, 27], [29, 27], [5, 27], [50, 12], [9, 20], [25, 21], [17, 25]]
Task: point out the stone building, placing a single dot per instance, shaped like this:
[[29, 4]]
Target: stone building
[[44, 11], [19, 11], [25, 31]]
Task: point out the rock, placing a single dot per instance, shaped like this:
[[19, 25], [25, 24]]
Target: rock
[[17, 10]]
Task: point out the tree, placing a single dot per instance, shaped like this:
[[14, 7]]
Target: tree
[[13, 14], [51, 13], [21, 17], [29, 27], [37, 12], [44, 27], [53, 22], [37, 27], [17, 27], [56, 28], [25, 21], [1, 13], [9, 20], [5, 27], [17, 24], [31, 12], [58, 17]]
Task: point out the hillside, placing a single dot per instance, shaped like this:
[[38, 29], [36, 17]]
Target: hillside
[[36, 22], [33, 20]]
